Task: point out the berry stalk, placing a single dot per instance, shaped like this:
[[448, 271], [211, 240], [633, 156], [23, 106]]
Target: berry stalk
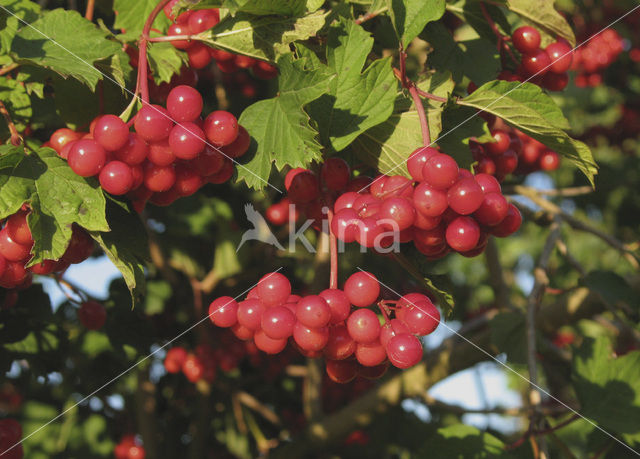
[[424, 122], [143, 68], [333, 249], [16, 138]]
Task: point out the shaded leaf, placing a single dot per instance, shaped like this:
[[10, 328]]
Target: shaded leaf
[[409, 17]]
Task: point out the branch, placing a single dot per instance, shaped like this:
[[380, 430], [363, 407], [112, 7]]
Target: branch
[[371, 15], [533, 304], [496, 274], [8, 68], [16, 138], [89, 11], [424, 123], [579, 225], [563, 192], [146, 417], [256, 405]]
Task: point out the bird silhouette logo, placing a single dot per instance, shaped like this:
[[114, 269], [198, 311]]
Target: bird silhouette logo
[[260, 231]]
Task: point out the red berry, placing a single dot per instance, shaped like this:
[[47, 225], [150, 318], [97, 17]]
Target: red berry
[[180, 29], [509, 224], [463, 234], [335, 173], [417, 160], [404, 351], [160, 153], [303, 186], [153, 123], [561, 56], [555, 81], [18, 228], [199, 55], [116, 178], [440, 171], [549, 161], [342, 371], [338, 304], [111, 132], [202, 20], [536, 64], [193, 368], [175, 359], [310, 339], [465, 196], [134, 151], [363, 326], [186, 140], [184, 103], [340, 345], [159, 178], [92, 315], [208, 162], [250, 314], [526, 39], [223, 311], [313, 311], [240, 146], [80, 247], [87, 157], [493, 209], [10, 249], [362, 289], [278, 322], [370, 354], [500, 144], [62, 137], [267, 344], [274, 289], [422, 318], [221, 128], [396, 213]]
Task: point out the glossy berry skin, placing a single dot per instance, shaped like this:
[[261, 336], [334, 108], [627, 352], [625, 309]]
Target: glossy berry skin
[[340, 345], [18, 228], [10, 249], [536, 63], [111, 132], [153, 123], [417, 160], [397, 210], [363, 326], [250, 314], [463, 234], [184, 103], [180, 29], [338, 304], [159, 178], [278, 322], [509, 224], [502, 142], [561, 56], [303, 187], [422, 318], [267, 344], [335, 173], [493, 209], [92, 315], [14, 274], [345, 201], [549, 161], [440, 171], [186, 140], [80, 247], [273, 289], [43, 268], [160, 153], [393, 328], [240, 146], [116, 178], [370, 354], [175, 359], [465, 196], [202, 20], [310, 339], [362, 289], [221, 128], [429, 201], [342, 371], [555, 81], [526, 39], [87, 157], [62, 137], [345, 225], [199, 55], [134, 151], [313, 311], [223, 312], [404, 351], [208, 162], [193, 368], [488, 183]]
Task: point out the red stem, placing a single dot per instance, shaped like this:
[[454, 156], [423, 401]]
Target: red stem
[[16, 138], [424, 123], [143, 68], [384, 312], [502, 46], [333, 250], [89, 11]]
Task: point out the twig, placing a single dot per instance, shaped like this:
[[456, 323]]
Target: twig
[[424, 123], [89, 11], [257, 406], [75, 289], [553, 209], [367, 16], [142, 86], [541, 280], [496, 274], [502, 45], [16, 138], [437, 404], [237, 413], [428, 95], [562, 192], [8, 68]]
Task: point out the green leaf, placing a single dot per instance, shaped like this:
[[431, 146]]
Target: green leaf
[[459, 125], [543, 14], [388, 145], [528, 108], [18, 103], [609, 388], [126, 246], [470, 11], [355, 101], [68, 55], [613, 288], [263, 37], [476, 59], [409, 17], [133, 14], [57, 196], [164, 61], [266, 7], [279, 127], [462, 441], [508, 335], [10, 24]]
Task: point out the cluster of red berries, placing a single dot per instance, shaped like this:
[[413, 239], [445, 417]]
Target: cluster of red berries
[[10, 434], [167, 157], [595, 56], [443, 208], [15, 251], [198, 365], [548, 66], [512, 152], [352, 340], [200, 55], [129, 447]]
